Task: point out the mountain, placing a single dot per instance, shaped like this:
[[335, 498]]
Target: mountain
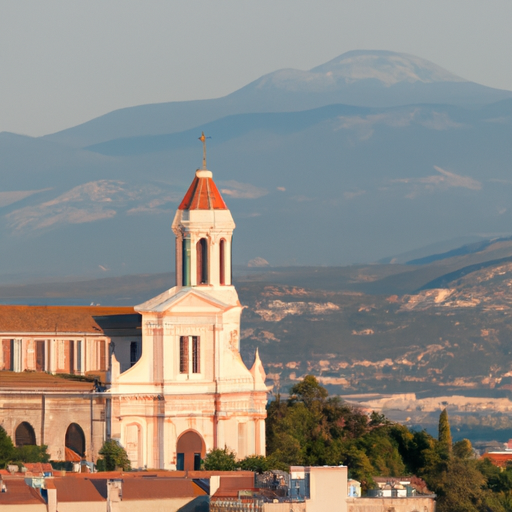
[[362, 78], [338, 183]]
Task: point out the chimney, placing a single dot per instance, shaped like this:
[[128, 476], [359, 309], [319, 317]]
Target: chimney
[[114, 494]]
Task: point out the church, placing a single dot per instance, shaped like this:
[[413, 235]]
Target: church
[[171, 382]]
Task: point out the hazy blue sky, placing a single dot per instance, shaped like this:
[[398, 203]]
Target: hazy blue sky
[[63, 62]]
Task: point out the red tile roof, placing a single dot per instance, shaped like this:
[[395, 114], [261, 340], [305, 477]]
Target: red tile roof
[[38, 468], [42, 381], [76, 489], [203, 195], [160, 488], [499, 459], [19, 493], [56, 319], [94, 487], [71, 456]]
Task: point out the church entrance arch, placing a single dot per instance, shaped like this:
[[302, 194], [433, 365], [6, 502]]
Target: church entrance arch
[[75, 443], [25, 434], [190, 450]]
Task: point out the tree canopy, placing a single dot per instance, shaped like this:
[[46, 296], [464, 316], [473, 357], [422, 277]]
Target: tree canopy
[[114, 457]]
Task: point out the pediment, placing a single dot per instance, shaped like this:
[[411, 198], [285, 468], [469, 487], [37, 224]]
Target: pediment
[[192, 302], [188, 302]]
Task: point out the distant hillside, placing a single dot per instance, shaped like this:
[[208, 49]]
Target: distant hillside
[[351, 326], [413, 160]]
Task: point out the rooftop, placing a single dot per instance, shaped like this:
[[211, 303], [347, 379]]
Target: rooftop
[[19, 493], [57, 319], [42, 381], [203, 194]]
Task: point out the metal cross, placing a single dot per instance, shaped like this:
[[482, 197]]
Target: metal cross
[[203, 140]]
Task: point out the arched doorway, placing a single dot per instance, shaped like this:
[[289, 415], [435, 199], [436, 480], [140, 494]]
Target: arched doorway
[[25, 434], [75, 443], [190, 451]]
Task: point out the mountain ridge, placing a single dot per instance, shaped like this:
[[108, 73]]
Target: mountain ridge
[[179, 116]]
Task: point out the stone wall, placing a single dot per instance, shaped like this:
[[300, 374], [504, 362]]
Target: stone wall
[[391, 505], [50, 415]]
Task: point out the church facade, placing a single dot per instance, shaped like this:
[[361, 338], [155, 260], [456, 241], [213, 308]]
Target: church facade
[[176, 385]]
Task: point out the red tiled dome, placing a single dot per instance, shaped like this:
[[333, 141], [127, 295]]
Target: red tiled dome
[[203, 194]]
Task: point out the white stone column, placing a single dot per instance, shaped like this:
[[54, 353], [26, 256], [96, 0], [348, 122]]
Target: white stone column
[[18, 355]]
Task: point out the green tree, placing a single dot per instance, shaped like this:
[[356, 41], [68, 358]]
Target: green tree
[[220, 459], [461, 487], [6, 448], [308, 391], [463, 449], [445, 435], [114, 457], [314, 429], [256, 463], [31, 453]]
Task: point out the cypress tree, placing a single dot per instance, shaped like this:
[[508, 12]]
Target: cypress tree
[[445, 435]]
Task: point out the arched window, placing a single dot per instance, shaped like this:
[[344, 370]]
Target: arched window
[[25, 434], [222, 261], [75, 441], [202, 261]]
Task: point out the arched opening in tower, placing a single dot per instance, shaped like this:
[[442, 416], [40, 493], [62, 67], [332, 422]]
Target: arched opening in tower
[[202, 261], [190, 450], [75, 443], [222, 261], [25, 434]]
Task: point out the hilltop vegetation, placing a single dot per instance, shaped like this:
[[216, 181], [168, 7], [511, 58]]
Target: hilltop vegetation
[[312, 428]]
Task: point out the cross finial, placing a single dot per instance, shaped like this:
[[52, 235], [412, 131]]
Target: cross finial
[[203, 140]]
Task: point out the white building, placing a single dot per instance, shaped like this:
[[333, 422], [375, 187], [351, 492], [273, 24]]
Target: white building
[[169, 397], [190, 391]]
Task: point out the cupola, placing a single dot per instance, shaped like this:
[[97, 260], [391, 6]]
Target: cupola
[[203, 226]]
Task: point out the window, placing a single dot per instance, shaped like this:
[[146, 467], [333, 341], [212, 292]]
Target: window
[[195, 354], [190, 355], [202, 261], [40, 353], [7, 354], [134, 352], [183, 354], [79, 355]]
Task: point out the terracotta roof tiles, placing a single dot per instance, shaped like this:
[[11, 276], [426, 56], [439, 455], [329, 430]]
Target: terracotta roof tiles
[[56, 319], [19, 493], [76, 489], [42, 381], [203, 195], [159, 488]]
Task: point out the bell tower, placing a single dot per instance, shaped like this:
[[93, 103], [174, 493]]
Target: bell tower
[[203, 226], [190, 391]]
